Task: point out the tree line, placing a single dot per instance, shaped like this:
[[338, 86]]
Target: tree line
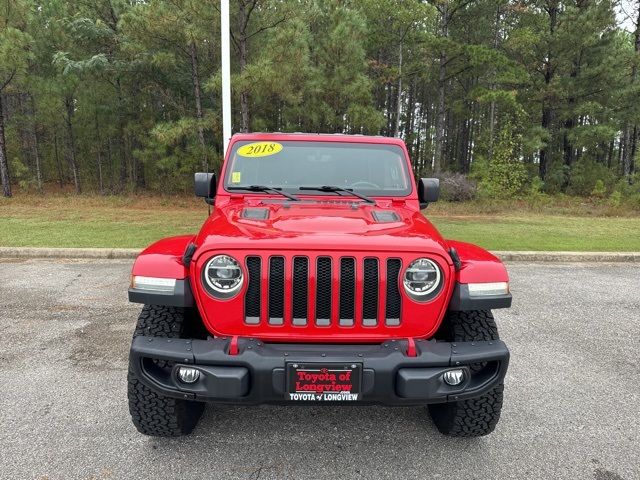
[[122, 95]]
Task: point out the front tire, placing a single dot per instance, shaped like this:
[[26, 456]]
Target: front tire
[[478, 416], [154, 414]]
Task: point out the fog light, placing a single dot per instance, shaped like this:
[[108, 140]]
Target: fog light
[[188, 374], [453, 377]]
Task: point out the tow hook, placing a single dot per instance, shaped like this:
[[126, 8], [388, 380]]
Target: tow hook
[[233, 346], [411, 347]]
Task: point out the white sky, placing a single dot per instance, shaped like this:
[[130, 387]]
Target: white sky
[[627, 13]]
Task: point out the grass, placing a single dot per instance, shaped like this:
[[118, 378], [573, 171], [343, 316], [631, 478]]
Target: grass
[[135, 221], [92, 221], [542, 232]]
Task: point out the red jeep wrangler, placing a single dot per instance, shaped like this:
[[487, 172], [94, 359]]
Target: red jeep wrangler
[[315, 280]]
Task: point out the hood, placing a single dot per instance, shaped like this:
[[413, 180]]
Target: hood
[[322, 224]]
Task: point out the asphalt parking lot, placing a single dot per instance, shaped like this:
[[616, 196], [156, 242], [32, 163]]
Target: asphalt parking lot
[[572, 400]]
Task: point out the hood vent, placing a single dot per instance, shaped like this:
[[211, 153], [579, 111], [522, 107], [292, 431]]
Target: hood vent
[[385, 216], [255, 213]]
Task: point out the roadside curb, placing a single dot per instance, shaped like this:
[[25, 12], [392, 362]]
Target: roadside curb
[[560, 257], [131, 253], [70, 253]]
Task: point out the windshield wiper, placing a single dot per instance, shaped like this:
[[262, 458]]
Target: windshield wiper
[[331, 188], [264, 188]]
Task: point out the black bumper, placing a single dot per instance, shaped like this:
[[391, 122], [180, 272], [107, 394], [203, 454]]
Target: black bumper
[[257, 373], [461, 300], [180, 297]]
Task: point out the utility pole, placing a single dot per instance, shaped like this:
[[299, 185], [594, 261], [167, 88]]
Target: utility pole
[[226, 74]]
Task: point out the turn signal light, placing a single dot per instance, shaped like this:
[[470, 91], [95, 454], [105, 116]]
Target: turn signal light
[[488, 289], [153, 284]]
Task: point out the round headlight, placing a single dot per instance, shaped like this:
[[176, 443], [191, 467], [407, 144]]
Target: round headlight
[[223, 275], [422, 279]]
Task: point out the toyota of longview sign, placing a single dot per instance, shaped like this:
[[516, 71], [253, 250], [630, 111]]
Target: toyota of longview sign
[[325, 396], [313, 382]]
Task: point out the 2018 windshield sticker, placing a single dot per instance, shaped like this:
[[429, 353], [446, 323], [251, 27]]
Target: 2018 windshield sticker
[[236, 177], [259, 149]]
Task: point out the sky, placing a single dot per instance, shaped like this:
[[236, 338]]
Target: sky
[[627, 14]]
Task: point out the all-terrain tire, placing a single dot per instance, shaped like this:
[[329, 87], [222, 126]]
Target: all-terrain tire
[[154, 414], [477, 416]]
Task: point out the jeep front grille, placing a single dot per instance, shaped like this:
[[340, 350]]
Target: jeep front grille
[[322, 291]]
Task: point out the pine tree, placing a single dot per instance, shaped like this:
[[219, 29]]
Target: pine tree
[[14, 57]]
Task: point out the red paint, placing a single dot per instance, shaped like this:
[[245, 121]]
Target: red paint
[[411, 348], [478, 265], [330, 227], [233, 346], [312, 226], [226, 317], [163, 259]]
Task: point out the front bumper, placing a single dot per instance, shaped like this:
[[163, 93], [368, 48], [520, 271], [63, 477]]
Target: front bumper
[[256, 372]]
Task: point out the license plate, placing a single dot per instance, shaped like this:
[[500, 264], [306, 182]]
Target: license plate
[[314, 382]]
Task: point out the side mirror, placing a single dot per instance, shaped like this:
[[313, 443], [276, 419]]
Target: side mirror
[[428, 191], [205, 186]]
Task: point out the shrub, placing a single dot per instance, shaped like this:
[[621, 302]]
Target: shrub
[[506, 174], [537, 185], [590, 178], [634, 200], [556, 177], [599, 190], [628, 187], [536, 195], [615, 199], [456, 187], [21, 174]]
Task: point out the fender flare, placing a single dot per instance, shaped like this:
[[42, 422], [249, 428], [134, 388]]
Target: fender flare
[[164, 259], [477, 266]]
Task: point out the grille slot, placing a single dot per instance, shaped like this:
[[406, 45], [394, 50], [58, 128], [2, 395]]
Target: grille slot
[[347, 291], [276, 290], [252, 297], [323, 291], [393, 293], [370, 293], [300, 290]]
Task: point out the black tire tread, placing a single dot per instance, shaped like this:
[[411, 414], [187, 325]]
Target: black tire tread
[[469, 326], [478, 416], [154, 414]]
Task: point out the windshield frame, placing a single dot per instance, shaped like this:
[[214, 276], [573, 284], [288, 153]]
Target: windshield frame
[[407, 172]]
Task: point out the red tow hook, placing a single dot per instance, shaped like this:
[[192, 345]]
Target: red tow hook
[[233, 346], [411, 347]]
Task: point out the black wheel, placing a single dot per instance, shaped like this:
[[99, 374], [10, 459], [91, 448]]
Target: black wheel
[[154, 414], [477, 416]]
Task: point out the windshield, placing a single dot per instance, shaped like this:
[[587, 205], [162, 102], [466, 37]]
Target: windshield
[[370, 169]]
